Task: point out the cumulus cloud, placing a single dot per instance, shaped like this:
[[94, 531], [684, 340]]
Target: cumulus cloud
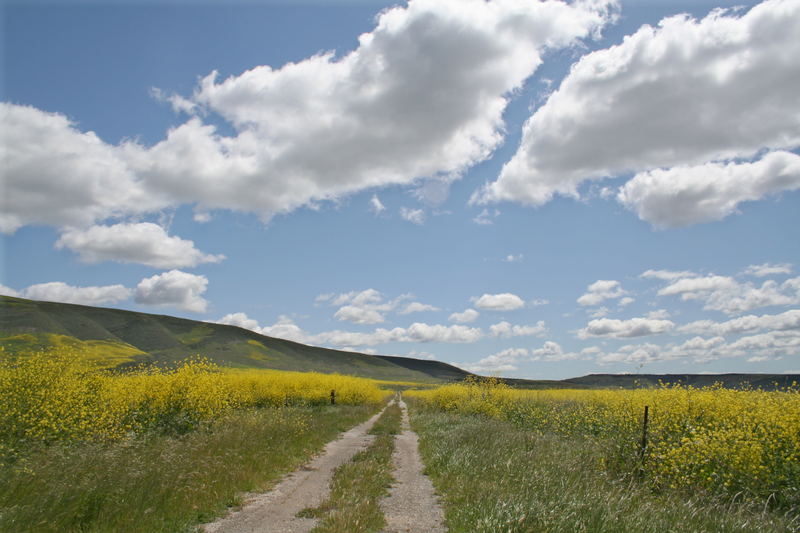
[[57, 291], [375, 205], [499, 302], [505, 329], [144, 243], [56, 175], [415, 216], [8, 291], [417, 307], [504, 361], [422, 95], [789, 320], [634, 327], [365, 307], [768, 269], [240, 320], [173, 289], [552, 352], [685, 195], [667, 275], [723, 293], [359, 315], [465, 317], [602, 290], [486, 217], [685, 92]]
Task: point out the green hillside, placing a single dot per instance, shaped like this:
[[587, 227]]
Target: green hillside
[[117, 338], [113, 337]]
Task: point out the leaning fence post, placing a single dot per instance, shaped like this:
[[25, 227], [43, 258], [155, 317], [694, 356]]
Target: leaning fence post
[[333, 397]]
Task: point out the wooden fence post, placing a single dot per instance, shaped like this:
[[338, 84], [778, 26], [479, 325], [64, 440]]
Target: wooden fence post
[[333, 397], [643, 445]]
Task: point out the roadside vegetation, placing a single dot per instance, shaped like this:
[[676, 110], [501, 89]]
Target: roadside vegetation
[[359, 485], [563, 460], [156, 450]]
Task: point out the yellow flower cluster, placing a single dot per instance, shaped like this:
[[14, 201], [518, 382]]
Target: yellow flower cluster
[[714, 439], [58, 395]]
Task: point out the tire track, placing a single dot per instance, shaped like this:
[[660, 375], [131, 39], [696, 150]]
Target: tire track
[[275, 511]]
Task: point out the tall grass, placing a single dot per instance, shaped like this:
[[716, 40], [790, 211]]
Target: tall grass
[[164, 483], [154, 449], [495, 477], [742, 443], [55, 396]]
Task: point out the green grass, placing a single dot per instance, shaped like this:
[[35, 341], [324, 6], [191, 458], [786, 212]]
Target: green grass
[[163, 483], [358, 486], [495, 477]]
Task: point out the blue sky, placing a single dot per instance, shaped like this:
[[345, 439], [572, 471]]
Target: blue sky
[[527, 189]]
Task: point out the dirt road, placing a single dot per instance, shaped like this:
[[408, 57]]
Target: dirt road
[[412, 505], [274, 511]]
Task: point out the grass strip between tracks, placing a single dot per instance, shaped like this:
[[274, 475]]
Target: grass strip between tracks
[[359, 485]]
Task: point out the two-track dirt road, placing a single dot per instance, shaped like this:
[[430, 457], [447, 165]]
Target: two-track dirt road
[[410, 507]]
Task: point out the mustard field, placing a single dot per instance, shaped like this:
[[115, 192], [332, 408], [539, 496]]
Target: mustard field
[[58, 396], [742, 444]]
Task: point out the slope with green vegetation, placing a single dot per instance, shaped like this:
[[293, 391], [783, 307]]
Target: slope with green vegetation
[[113, 337]]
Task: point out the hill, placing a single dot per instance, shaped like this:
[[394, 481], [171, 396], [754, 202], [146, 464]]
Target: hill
[[117, 338], [113, 337]]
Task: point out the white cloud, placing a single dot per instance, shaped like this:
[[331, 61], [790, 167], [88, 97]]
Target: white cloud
[[202, 217], [600, 291], [57, 291], [511, 258], [768, 269], [465, 317], [789, 320], [667, 275], [416, 332], [485, 217], [375, 205], [499, 302], [422, 95], [417, 307], [683, 93], [659, 314], [552, 352], [173, 289], [144, 243], [285, 328], [505, 329], [626, 301], [8, 291], [365, 297], [599, 312], [415, 216], [503, 361], [685, 195], [634, 327], [756, 348], [723, 293], [241, 320], [53, 174], [365, 307], [359, 315]]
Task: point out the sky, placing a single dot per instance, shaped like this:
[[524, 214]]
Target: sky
[[522, 188]]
